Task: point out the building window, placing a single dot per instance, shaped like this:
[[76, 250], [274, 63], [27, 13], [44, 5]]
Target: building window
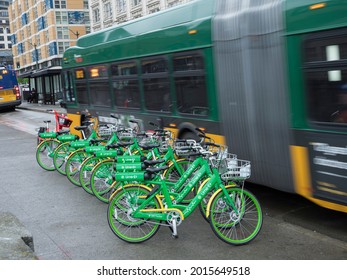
[[107, 10], [61, 17], [96, 15], [121, 6], [60, 4], [136, 2], [62, 47], [63, 33]]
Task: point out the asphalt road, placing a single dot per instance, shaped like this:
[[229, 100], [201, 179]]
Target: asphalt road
[[67, 223]]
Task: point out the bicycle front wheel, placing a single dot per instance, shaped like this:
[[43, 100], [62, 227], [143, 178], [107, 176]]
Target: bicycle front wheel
[[102, 178], [124, 202], [235, 227], [44, 153], [60, 156], [73, 165], [86, 172]]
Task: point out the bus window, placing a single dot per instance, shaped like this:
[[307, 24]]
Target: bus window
[[99, 86], [325, 64], [81, 86], [156, 85], [327, 95], [190, 84], [68, 87], [125, 85]]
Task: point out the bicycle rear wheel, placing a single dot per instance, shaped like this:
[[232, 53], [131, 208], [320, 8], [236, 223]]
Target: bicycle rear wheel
[[120, 219], [73, 165], [45, 152], [235, 227]]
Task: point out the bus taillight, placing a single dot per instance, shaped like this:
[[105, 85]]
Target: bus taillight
[[17, 92]]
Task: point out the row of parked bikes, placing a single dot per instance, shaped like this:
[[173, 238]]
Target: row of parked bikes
[[149, 179]]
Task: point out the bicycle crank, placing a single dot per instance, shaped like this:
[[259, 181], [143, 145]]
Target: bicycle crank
[[174, 220]]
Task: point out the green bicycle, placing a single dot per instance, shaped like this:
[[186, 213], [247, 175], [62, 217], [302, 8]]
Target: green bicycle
[[136, 211]]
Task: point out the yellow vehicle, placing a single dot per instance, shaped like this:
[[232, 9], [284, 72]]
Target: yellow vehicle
[[9, 91]]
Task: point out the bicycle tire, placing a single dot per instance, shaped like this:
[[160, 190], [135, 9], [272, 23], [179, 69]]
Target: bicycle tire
[[101, 180], [119, 217], [44, 153], [204, 202], [85, 173], [229, 226], [60, 156], [73, 165]]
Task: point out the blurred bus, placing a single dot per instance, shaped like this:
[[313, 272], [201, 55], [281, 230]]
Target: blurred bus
[[268, 78], [10, 96]]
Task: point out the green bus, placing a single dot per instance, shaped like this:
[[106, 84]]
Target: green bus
[[267, 78]]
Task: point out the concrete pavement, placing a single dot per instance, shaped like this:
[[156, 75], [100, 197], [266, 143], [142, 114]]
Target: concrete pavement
[[16, 242], [48, 108]]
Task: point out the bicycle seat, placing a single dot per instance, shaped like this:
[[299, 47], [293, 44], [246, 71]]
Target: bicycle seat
[[63, 132], [124, 144], [148, 146], [81, 127], [153, 162], [47, 121], [153, 170]]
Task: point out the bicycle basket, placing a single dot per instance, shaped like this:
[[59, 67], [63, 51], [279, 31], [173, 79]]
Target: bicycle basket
[[64, 122], [105, 131], [126, 135], [232, 168]]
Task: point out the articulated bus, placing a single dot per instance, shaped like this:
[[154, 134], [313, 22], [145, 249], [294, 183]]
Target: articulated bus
[[267, 78], [9, 91]]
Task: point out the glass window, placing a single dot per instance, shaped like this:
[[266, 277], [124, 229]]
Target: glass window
[[188, 62], [127, 93], [156, 84], [155, 65], [190, 84], [327, 95], [327, 48], [125, 85], [124, 69], [157, 94], [325, 67], [96, 15], [81, 93], [80, 74], [99, 89], [99, 93], [191, 95], [98, 72]]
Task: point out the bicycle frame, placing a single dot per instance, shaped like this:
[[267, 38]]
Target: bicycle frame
[[175, 204]]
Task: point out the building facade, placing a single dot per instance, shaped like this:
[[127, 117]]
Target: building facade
[[41, 31], [105, 13], [5, 35]]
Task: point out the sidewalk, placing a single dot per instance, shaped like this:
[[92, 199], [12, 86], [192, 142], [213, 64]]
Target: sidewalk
[[45, 108], [16, 242]]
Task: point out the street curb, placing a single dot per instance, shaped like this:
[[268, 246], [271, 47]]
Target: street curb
[[42, 110], [16, 242]]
